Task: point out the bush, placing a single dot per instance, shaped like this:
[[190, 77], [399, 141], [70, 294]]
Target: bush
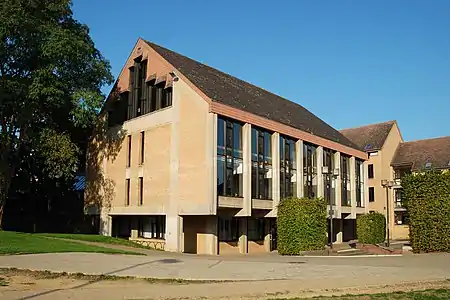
[[427, 199], [301, 225], [371, 228]]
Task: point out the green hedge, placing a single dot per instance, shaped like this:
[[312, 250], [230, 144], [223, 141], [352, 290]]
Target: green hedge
[[301, 225], [371, 228], [426, 196]]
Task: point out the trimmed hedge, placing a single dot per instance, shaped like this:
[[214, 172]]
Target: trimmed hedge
[[427, 199], [301, 225], [371, 228]]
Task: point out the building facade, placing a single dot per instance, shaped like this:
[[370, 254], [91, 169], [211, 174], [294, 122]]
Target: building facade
[[380, 141], [195, 160]]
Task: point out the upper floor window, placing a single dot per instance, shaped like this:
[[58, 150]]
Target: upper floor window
[[261, 164], [359, 182], [309, 170], [370, 171], [329, 181], [128, 151], [400, 172], [371, 194], [229, 158], [345, 181], [288, 168]]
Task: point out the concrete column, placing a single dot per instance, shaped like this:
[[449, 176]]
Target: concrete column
[[243, 240], [212, 166], [105, 224], [299, 161], [212, 231], [353, 186], [337, 181], [339, 231], [247, 160], [134, 228], [319, 164], [267, 235], [276, 170], [174, 225]]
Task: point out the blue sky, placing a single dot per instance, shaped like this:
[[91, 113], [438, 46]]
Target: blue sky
[[349, 62]]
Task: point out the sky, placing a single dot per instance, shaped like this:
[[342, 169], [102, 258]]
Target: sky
[[351, 63]]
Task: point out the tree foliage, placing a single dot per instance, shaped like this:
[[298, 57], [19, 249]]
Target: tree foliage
[[427, 199], [301, 225], [371, 228], [51, 76]]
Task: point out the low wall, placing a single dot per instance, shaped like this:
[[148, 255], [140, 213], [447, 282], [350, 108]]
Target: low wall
[[152, 243]]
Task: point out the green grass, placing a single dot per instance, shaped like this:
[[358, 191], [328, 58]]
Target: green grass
[[95, 238], [3, 282], [432, 294], [26, 243]]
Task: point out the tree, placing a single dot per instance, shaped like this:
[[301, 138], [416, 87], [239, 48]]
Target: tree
[[51, 76]]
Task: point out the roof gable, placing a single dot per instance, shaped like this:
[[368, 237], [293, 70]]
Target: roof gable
[[418, 153], [370, 137], [226, 89]]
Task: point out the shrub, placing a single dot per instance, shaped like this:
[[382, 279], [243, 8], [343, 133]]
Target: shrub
[[301, 225], [427, 199], [371, 228]]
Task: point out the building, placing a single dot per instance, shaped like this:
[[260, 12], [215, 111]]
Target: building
[[195, 160], [421, 155], [380, 141]]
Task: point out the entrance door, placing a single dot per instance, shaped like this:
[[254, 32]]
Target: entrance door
[[273, 235]]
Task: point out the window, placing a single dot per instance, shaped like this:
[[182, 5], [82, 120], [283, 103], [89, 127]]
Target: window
[[261, 164], [309, 170], [230, 166], [130, 95], [152, 227], [370, 171], [228, 229], [256, 230], [167, 98], [359, 182], [288, 168], [371, 194], [401, 218], [128, 151], [398, 198], [127, 192], [141, 89], [345, 181], [329, 180], [141, 190], [141, 160]]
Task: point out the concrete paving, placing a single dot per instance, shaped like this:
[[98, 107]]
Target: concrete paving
[[242, 268]]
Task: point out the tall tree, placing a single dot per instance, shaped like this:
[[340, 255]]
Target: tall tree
[[51, 76]]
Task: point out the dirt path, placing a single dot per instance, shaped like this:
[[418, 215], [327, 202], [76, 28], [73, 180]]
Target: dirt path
[[23, 286]]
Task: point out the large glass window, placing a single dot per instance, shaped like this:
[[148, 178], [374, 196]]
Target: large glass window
[[256, 230], [309, 170], [329, 180], [230, 165], [359, 183], [345, 181], [152, 227], [261, 164], [288, 168], [228, 229]]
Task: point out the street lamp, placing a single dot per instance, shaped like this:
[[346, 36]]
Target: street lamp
[[387, 184], [328, 174]]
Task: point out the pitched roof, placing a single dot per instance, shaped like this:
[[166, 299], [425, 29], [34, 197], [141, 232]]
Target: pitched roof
[[231, 91], [418, 153], [369, 137]]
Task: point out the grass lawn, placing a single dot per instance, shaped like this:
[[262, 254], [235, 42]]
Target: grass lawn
[[26, 243], [95, 238], [438, 294]]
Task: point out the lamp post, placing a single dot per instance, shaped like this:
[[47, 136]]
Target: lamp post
[[387, 184], [328, 174]]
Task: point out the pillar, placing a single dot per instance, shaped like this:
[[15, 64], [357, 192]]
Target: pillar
[[105, 224], [134, 228], [339, 230], [353, 186], [267, 236], [299, 162], [243, 240], [275, 170], [247, 172], [174, 229], [319, 164]]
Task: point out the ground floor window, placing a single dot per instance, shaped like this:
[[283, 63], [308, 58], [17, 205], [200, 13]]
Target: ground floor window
[[401, 218], [228, 229], [152, 227], [256, 229]]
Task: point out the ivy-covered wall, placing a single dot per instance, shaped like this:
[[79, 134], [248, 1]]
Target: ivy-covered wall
[[426, 196], [371, 228], [301, 225]]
